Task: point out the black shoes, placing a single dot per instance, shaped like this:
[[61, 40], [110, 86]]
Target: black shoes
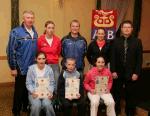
[[130, 113], [25, 109]]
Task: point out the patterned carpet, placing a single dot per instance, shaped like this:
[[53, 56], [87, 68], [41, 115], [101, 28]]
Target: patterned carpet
[[6, 97], [5, 101]]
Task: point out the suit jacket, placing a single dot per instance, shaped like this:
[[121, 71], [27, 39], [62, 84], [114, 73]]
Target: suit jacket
[[134, 57]]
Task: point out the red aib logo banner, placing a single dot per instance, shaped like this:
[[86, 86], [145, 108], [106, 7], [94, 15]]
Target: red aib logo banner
[[106, 19]]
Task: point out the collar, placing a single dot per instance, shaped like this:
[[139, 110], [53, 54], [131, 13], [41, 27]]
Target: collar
[[101, 43], [126, 38], [23, 26], [74, 73], [71, 72], [49, 38], [99, 71], [73, 37]]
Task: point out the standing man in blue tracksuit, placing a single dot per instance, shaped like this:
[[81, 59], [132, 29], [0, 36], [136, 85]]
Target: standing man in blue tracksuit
[[21, 50], [74, 46]]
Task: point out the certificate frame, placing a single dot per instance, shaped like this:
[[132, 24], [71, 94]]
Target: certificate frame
[[42, 84], [101, 85], [72, 86]]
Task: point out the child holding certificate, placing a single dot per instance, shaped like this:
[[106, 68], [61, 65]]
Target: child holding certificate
[[70, 88], [98, 82], [40, 84]]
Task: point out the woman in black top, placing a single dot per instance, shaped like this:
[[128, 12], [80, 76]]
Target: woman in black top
[[98, 47]]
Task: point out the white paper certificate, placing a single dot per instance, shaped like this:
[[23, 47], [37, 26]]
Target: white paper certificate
[[72, 87], [42, 87], [101, 84]]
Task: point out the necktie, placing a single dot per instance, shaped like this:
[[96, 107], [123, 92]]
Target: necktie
[[125, 50]]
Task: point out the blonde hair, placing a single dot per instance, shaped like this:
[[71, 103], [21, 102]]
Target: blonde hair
[[28, 12], [74, 21]]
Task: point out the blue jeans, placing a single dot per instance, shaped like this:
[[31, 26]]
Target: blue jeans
[[56, 71], [38, 104]]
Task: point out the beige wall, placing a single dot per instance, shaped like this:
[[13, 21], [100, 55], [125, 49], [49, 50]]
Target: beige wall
[[5, 23], [5, 72], [61, 15]]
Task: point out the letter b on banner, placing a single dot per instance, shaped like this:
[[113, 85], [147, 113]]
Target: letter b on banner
[[110, 34]]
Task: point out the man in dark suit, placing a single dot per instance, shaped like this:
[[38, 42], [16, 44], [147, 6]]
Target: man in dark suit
[[126, 64]]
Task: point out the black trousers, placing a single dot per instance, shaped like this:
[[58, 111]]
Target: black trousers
[[68, 106], [20, 99], [121, 88]]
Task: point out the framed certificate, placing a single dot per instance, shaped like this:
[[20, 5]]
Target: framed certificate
[[42, 87], [72, 87], [101, 84]]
